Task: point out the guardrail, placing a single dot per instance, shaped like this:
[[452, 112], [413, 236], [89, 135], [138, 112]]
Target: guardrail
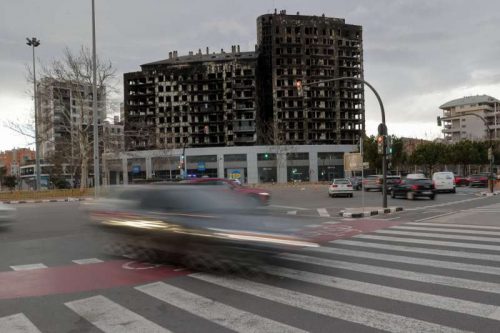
[[48, 194]]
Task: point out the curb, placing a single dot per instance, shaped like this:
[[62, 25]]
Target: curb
[[344, 213], [44, 200], [489, 194]]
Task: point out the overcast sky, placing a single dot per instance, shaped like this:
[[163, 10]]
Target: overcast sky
[[418, 54]]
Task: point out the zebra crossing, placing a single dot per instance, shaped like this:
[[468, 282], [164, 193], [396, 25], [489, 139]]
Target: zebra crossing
[[413, 277]]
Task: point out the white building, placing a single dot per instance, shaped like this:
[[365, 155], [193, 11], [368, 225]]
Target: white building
[[458, 125]]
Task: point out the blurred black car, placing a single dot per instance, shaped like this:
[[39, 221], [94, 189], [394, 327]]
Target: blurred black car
[[356, 182], [193, 225], [414, 188]]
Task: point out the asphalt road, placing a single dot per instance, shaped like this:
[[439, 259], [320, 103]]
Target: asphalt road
[[434, 267]]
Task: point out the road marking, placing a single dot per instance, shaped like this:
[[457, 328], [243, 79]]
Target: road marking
[[323, 212], [289, 207], [292, 212], [431, 242], [332, 222], [451, 230], [344, 311], [459, 254], [87, 261], [436, 216], [448, 225], [431, 235], [405, 260], [444, 204], [398, 273], [414, 297], [387, 219], [17, 323], [111, 317], [28, 267], [219, 313]]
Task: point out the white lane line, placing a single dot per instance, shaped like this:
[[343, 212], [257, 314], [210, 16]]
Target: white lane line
[[323, 212], [435, 301], [398, 273], [292, 212], [431, 242], [219, 313], [87, 261], [458, 231], [409, 249], [445, 204], [450, 225], [17, 323], [447, 264], [28, 267], [356, 314], [111, 317], [332, 222], [436, 216], [289, 207], [432, 235]]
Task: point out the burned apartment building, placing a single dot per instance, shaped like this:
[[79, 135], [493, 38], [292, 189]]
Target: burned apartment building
[[201, 99], [310, 49]]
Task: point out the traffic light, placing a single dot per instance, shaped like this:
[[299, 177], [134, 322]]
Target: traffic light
[[388, 146], [439, 120], [380, 144], [266, 156]]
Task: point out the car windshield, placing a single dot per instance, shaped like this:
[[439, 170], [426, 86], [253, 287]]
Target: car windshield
[[341, 181]]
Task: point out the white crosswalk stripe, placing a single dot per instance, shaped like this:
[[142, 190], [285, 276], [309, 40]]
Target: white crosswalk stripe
[[410, 249], [452, 225], [352, 313], [404, 260], [440, 302], [111, 317], [431, 242], [233, 318], [17, 323], [451, 230], [432, 235], [488, 287], [28, 267], [323, 212], [87, 261]]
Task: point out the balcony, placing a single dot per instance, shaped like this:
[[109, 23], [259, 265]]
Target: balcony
[[244, 128]]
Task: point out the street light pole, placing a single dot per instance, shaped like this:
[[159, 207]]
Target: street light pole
[[300, 85], [94, 108], [33, 42]]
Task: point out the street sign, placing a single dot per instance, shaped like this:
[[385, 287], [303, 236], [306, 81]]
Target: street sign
[[201, 166], [136, 169], [235, 174], [353, 162]]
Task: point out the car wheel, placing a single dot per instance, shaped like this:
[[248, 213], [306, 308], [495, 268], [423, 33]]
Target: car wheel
[[410, 195], [330, 195], [351, 195], [393, 194], [432, 197], [454, 190]]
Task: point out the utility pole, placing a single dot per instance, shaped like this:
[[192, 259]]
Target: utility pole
[[33, 42], [94, 108]]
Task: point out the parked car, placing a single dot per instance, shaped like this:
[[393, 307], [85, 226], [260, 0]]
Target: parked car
[[356, 182], [340, 186], [375, 182], [479, 180], [262, 195], [414, 188], [444, 181], [461, 180]]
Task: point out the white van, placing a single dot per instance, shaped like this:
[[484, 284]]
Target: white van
[[444, 181]]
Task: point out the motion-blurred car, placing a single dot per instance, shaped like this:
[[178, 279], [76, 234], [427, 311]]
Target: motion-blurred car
[[192, 225], [7, 214], [261, 195], [461, 180], [356, 182], [415, 176], [414, 188], [478, 180], [375, 182], [340, 186]]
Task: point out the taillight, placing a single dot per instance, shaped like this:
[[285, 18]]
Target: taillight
[[483, 178], [414, 187], [349, 185], [333, 185], [379, 181], [433, 183]]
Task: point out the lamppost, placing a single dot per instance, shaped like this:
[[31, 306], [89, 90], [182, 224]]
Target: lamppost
[[94, 107], [33, 42], [382, 127]]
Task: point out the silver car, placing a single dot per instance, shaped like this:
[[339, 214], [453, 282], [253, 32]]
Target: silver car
[[340, 186], [7, 214]]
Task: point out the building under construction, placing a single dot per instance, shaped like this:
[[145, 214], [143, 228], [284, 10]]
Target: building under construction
[[199, 100]]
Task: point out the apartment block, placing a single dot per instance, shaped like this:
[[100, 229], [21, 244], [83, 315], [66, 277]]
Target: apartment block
[[201, 99], [310, 49], [459, 122]]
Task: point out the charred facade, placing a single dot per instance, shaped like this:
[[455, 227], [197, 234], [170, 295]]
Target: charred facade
[[198, 100], [309, 48]]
